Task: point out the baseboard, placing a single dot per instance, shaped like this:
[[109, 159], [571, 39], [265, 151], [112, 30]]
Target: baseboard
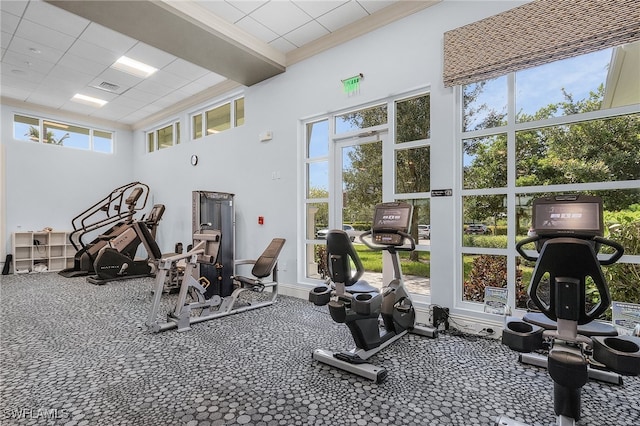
[[424, 314]]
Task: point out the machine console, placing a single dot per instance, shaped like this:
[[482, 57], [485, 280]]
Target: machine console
[[573, 215], [390, 221]]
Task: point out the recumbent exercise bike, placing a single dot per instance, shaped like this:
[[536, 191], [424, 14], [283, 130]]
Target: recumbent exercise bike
[[569, 230], [376, 318]]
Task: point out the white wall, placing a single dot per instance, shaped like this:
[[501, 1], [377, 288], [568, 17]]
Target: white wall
[[47, 185]]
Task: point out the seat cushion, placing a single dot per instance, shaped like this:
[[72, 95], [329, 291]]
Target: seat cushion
[[594, 328], [361, 286]]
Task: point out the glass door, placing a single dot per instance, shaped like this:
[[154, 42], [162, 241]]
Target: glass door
[[360, 183]]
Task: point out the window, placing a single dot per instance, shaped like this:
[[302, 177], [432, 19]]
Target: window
[[573, 128], [60, 133], [163, 137], [346, 175], [218, 118]]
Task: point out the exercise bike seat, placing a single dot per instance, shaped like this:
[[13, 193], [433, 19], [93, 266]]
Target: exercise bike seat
[[594, 328], [361, 286]]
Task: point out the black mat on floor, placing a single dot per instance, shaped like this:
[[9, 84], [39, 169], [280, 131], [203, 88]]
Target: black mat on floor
[[77, 354]]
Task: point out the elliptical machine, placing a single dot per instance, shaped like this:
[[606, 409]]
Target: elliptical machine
[[376, 318], [569, 231]]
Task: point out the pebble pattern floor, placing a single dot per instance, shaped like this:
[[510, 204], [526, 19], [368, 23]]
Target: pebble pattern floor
[[72, 353]]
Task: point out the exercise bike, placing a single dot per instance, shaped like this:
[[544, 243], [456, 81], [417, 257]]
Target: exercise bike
[[376, 318], [569, 231]]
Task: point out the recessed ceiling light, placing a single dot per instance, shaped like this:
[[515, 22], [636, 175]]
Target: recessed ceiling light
[[134, 67], [88, 100]]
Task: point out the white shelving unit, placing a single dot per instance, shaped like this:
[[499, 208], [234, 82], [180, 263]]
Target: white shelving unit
[[50, 249]]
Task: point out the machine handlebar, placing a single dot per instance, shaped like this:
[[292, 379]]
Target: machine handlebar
[[619, 249], [388, 247]]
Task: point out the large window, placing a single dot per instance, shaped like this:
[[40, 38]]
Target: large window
[[571, 126], [54, 132], [217, 118], [346, 174]]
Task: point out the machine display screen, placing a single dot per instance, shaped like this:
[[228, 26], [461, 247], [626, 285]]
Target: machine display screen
[[392, 217], [568, 217]]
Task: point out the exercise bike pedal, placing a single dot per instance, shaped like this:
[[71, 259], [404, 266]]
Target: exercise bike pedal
[[350, 358]]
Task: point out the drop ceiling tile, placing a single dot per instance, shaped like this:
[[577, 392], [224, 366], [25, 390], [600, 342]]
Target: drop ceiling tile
[[210, 79], [150, 55], [9, 23], [223, 10], [53, 17], [13, 7], [169, 80], [27, 63], [93, 52], [341, 16], [283, 45], [192, 88], [74, 61], [43, 35], [256, 29], [372, 6], [280, 16], [316, 8], [108, 39], [130, 102], [76, 77], [35, 50], [12, 79], [153, 87], [14, 92], [306, 33], [48, 99], [140, 95], [185, 69], [246, 6]]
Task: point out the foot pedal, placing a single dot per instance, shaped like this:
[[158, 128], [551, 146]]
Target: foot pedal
[[350, 358]]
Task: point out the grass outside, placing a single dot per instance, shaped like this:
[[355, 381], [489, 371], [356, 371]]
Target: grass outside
[[372, 261]]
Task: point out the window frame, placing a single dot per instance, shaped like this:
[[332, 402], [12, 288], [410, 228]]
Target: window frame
[[41, 126], [511, 191]]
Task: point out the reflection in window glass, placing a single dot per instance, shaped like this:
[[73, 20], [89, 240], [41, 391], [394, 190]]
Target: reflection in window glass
[[103, 141], [151, 141], [26, 128], [318, 179], [239, 112], [590, 151], [416, 270], [66, 135], [485, 221], [197, 126], [413, 170], [316, 255], [562, 87], [317, 218], [361, 119], [481, 271], [421, 220], [484, 104], [177, 132], [413, 119], [485, 162], [218, 119], [318, 139], [361, 181], [165, 136]]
